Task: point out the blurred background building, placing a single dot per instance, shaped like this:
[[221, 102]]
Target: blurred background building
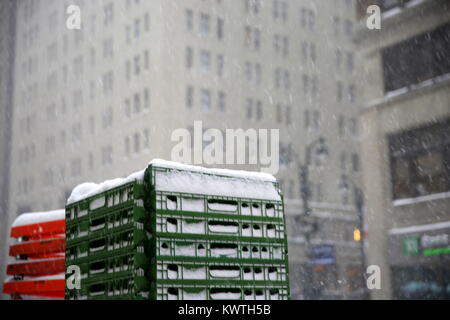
[[7, 55], [405, 123], [101, 102]]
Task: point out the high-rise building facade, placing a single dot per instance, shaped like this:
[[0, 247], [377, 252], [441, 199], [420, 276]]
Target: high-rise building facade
[[405, 124], [102, 101], [7, 38]]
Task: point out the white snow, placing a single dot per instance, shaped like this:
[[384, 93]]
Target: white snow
[[185, 250], [225, 273], [192, 179], [223, 252], [172, 297], [277, 253], [256, 211], [259, 276], [198, 274], [194, 296], [171, 205], [226, 295], [431, 197], [223, 228], [172, 274], [193, 228], [272, 276], [246, 211], [82, 213], [224, 172], [246, 232], [198, 183], [195, 205], [171, 227], [229, 208], [38, 217], [100, 226], [90, 189], [271, 233], [270, 212], [420, 228], [97, 203]]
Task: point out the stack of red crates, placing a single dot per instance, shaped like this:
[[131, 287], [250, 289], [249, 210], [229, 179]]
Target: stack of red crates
[[39, 250]]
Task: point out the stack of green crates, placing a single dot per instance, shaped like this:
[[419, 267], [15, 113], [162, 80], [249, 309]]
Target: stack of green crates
[[177, 234], [108, 240]]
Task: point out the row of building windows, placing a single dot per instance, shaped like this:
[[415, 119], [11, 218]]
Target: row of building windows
[[205, 98], [253, 109], [137, 103], [205, 61], [135, 65], [205, 24], [137, 143], [133, 31]]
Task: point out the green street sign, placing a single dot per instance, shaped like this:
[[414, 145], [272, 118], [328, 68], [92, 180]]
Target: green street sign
[[410, 245]]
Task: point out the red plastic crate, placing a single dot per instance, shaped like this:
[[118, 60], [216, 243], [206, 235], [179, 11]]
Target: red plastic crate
[[38, 287], [39, 247], [37, 268], [39, 230]]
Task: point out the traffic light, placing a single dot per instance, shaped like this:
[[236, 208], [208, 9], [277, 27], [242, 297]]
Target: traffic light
[[357, 235]]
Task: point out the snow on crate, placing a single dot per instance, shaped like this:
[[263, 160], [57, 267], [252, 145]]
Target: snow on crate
[[215, 182], [192, 179], [89, 189], [38, 217]]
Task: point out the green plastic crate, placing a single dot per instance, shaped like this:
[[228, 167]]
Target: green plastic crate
[[177, 230]]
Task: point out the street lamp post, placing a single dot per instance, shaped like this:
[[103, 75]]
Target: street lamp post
[[359, 206], [308, 223]]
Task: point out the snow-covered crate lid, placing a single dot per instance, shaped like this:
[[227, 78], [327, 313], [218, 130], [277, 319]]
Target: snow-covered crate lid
[[91, 189], [174, 177], [38, 217]]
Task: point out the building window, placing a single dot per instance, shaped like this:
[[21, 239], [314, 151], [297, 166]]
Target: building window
[[107, 157], [341, 125], [189, 97], [351, 93], [146, 60], [220, 65], [127, 146], [146, 99], [206, 100], [205, 60], [108, 14], [137, 65], [137, 103], [355, 162], [417, 59], [189, 58], [220, 27], [420, 161], [204, 24], [146, 143], [147, 22], [259, 110], [136, 143], [249, 108], [339, 91], [222, 102], [189, 20]]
